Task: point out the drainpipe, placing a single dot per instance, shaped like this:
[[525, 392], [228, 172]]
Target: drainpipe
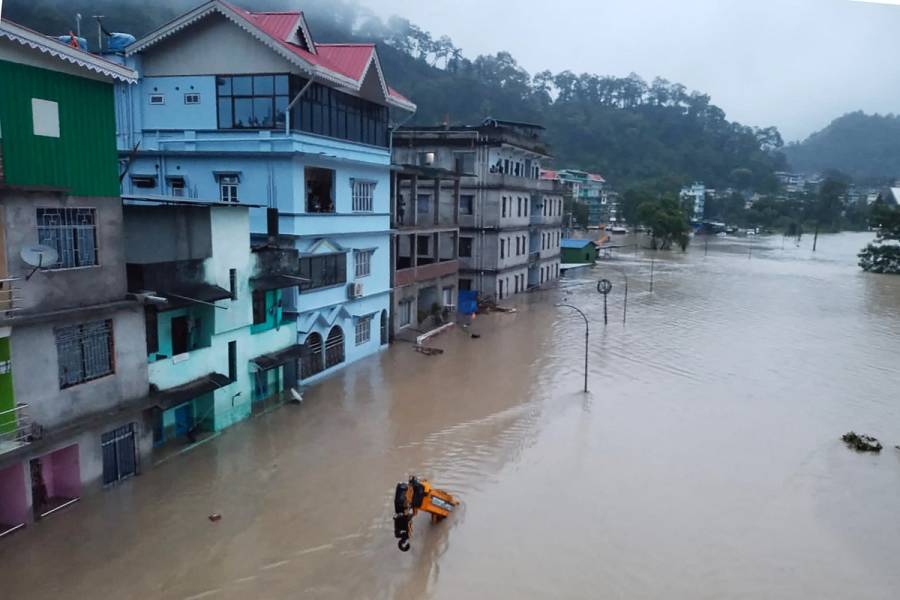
[[287, 112]]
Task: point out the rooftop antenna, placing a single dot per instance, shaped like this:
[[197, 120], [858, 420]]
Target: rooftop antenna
[[38, 256], [99, 32]]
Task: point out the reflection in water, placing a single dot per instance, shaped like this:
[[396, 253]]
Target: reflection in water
[[704, 463]]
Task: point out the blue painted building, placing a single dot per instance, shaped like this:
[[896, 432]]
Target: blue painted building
[[234, 107]]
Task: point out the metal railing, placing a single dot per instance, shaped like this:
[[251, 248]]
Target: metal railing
[[16, 428], [9, 295]]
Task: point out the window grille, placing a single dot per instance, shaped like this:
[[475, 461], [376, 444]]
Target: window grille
[[85, 352], [363, 261], [72, 232], [363, 195], [363, 330]]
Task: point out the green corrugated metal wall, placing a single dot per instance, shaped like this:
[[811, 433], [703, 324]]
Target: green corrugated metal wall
[[84, 158]]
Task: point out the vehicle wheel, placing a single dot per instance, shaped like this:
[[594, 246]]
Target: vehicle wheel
[[403, 544]]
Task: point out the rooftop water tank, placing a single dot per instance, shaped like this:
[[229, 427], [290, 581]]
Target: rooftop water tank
[[119, 41]]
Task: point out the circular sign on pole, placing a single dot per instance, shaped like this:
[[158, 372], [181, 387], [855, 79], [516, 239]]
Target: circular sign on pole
[[604, 286]]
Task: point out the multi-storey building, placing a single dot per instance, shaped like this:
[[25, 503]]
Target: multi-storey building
[[218, 341], [425, 217], [235, 107], [73, 374], [586, 188], [509, 218], [694, 197]]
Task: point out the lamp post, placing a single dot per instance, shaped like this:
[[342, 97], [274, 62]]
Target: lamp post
[[587, 334]]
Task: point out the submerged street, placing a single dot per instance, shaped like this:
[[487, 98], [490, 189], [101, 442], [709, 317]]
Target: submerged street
[[705, 462]]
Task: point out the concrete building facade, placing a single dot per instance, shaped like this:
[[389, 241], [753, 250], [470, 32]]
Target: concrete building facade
[[509, 218], [73, 374], [247, 108]]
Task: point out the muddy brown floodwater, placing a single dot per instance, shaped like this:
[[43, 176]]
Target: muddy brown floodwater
[[706, 461]]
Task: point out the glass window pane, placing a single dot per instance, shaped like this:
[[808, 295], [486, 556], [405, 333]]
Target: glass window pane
[[262, 112], [243, 112], [224, 85], [281, 84], [225, 121], [263, 85], [281, 103], [242, 86]]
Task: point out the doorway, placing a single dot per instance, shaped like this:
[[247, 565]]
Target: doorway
[[179, 335], [119, 459]]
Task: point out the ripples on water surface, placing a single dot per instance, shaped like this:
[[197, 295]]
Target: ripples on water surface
[[705, 462]]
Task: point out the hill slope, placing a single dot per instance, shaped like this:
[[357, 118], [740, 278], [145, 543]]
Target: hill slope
[[630, 131], [866, 147]]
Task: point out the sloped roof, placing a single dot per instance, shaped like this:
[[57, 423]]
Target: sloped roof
[[596, 177], [574, 244], [85, 60], [547, 174], [345, 65]]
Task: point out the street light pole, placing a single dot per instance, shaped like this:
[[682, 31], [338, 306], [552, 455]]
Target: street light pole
[[587, 335]]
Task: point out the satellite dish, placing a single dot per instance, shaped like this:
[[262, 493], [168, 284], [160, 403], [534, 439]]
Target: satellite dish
[[38, 256]]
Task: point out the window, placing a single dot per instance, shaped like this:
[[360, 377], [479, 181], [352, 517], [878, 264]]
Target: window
[[157, 99], [465, 247], [520, 206], [506, 166], [500, 292], [176, 186], [464, 162], [423, 245], [503, 213], [232, 361], [84, 352], [363, 262], [192, 98], [466, 202], [319, 190], [228, 188], [45, 117], [447, 296], [311, 356], [323, 270], [260, 313], [423, 204], [72, 232], [502, 248], [180, 334], [363, 330], [425, 159], [465, 285], [363, 193], [334, 347], [405, 313], [143, 181], [251, 102]]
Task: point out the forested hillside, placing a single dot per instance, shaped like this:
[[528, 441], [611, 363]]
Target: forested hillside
[[865, 147], [629, 130]]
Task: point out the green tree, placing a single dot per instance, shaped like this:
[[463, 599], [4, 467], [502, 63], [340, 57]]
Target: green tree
[[883, 255], [668, 223]]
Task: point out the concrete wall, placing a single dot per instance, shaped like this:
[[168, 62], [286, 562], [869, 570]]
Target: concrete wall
[[64, 288], [153, 235], [174, 113], [35, 363]]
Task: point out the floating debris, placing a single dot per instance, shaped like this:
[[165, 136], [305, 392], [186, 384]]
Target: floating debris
[[215, 517], [428, 350], [861, 443]]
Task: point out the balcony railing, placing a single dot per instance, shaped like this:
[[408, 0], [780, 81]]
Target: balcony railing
[[16, 428], [425, 272], [10, 299]]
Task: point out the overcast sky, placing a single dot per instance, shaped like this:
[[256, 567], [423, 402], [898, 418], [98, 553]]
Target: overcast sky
[[796, 64]]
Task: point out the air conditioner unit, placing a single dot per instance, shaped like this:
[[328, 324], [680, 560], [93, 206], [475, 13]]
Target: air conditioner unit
[[355, 290]]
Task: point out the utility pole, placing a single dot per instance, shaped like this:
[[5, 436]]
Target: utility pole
[[652, 262], [99, 32]]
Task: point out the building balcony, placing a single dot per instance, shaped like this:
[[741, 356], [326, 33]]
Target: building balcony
[[507, 181], [16, 428], [535, 256], [425, 272], [183, 368], [10, 299]]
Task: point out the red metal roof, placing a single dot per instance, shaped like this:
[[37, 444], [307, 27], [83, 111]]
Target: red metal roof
[[546, 174], [349, 60], [595, 177]]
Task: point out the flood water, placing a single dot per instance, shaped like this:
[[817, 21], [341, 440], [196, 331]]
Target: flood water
[[705, 462]]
